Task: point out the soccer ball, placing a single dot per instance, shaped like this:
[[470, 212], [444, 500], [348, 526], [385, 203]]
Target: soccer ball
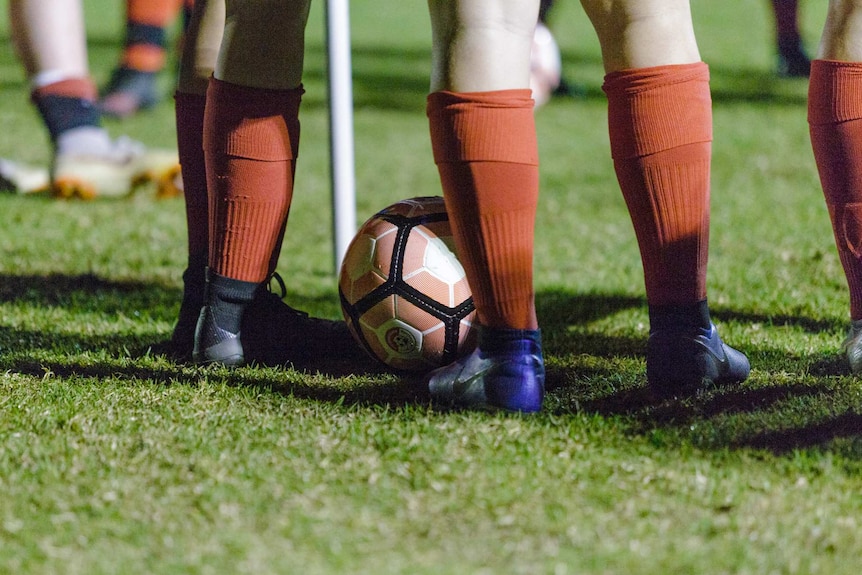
[[546, 66], [403, 291]]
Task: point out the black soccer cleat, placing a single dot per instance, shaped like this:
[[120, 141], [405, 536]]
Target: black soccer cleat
[[217, 334], [274, 333], [687, 360], [181, 344], [270, 332], [852, 346], [214, 345]]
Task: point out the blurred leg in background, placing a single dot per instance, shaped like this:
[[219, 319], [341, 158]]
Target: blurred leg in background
[[50, 39], [793, 62], [134, 82]]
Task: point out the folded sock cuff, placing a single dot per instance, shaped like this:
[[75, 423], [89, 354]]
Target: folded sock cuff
[[253, 123], [658, 108], [834, 92], [483, 126]]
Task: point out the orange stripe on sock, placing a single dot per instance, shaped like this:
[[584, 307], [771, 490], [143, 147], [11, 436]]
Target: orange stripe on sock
[[657, 108], [485, 148], [144, 57], [83, 88], [153, 12]]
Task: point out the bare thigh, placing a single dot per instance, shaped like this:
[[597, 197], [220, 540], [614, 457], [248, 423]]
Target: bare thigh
[[49, 36], [643, 33], [480, 45], [842, 32], [201, 46], [264, 43]]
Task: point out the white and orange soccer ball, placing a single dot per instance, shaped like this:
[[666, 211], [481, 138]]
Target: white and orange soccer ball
[[546, 65], [403, 291]]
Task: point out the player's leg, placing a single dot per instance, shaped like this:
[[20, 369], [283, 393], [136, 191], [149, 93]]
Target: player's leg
[[835, 121], [793, 62], [251, 139], [484, 141], [132, 86], [249, 165], [197, 62], [50, 39], [662, 162]]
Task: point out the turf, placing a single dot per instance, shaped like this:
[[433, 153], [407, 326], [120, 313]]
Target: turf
[[114, 460]]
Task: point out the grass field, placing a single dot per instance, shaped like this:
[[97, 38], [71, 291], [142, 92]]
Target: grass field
[[115, 461]]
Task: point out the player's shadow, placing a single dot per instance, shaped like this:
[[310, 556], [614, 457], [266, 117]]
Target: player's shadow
[[89, 295], [808, 384]]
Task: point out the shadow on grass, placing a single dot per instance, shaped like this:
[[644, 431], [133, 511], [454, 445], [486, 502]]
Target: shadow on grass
[[841, 426], [779, 414], [780, 409]]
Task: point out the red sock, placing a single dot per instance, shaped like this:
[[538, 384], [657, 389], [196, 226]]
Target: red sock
[[661, 132], [485, 149], [251, 138], [835, 123], [80, 88], [190, 125]]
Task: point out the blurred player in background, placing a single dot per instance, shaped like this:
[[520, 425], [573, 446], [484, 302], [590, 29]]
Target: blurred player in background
[[546, 66], [484, 143], [793, 62], [49, 37], [835, 121], [134, 82]]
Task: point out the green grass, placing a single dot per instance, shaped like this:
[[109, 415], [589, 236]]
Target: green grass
[[115, 461]]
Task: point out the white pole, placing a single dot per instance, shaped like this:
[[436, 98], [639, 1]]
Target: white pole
[[341, 126]]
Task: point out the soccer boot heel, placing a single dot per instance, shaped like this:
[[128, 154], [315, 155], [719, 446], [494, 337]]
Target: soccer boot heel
[[217, 334], [852, 346], [688, 360], [506, 371], [214, 344]]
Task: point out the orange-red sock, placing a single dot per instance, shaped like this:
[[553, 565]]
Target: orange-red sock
[[190, 129], [835, 124], [485, 148], [251, 139], [146, 36], [660, 122], [83, 88]]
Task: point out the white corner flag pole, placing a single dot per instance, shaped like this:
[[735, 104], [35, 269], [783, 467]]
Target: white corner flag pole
[[341, 126]]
